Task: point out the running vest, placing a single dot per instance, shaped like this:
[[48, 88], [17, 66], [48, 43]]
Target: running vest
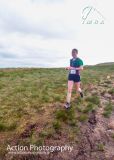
[[75, 63]]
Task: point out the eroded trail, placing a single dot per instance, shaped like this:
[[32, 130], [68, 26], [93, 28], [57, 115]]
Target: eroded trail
[[97, 135]]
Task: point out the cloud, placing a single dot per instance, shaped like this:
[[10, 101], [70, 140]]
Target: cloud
[[4, 55], [34, 31], [47, 21], [42, 33], [48, 1]]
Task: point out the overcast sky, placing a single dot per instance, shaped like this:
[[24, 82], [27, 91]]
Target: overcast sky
[[42, 33]]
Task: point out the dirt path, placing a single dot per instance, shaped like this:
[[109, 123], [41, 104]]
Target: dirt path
[[97, 135]]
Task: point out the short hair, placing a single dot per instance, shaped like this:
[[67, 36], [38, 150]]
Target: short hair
[[74, 50]]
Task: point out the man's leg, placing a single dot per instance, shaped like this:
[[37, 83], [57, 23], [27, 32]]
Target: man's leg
[[78, 88], [69, 92]]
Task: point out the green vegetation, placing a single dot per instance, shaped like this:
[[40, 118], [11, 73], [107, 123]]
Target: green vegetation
[[88, 108], [113, 135], [56, 125], [4, 127], [93, 99], [36, 96], [108, 110], [43, 134], [111, 91], [101, 147], [65, 115], [83, 118]]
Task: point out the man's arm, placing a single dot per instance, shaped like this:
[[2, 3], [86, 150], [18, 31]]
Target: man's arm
[[78, 68]]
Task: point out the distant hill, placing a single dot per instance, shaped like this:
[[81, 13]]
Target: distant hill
[[105, 63]]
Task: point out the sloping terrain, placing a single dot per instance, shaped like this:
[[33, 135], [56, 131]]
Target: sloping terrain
[[32, 112]]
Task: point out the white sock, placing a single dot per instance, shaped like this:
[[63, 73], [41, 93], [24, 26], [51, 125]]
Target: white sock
[[79, 90]]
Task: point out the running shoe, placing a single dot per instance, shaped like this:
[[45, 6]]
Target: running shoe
[[81, 94], [67, 105]]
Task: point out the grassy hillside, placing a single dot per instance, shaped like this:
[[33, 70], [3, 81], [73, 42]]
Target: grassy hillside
[[106, 63], [32, 112]]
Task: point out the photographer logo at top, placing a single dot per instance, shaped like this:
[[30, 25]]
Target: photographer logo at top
[[91, 15]]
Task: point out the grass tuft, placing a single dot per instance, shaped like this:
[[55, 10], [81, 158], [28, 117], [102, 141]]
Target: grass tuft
[[94, 99], [83, 118], [100, 147], [108, 110], [56, 125], [88, 108]]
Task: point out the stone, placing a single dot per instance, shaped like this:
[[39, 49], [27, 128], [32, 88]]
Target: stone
[[111, 125], [107, 95]]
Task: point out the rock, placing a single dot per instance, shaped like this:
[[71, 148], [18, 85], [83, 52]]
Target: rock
[[107, 95], [108, 77], [103, 101], [97, 134], [93, 92], [111, 125]]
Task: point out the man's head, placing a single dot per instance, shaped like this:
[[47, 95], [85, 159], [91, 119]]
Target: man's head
[[74, 53]]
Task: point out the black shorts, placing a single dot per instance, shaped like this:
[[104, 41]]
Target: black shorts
[[74, 77]]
